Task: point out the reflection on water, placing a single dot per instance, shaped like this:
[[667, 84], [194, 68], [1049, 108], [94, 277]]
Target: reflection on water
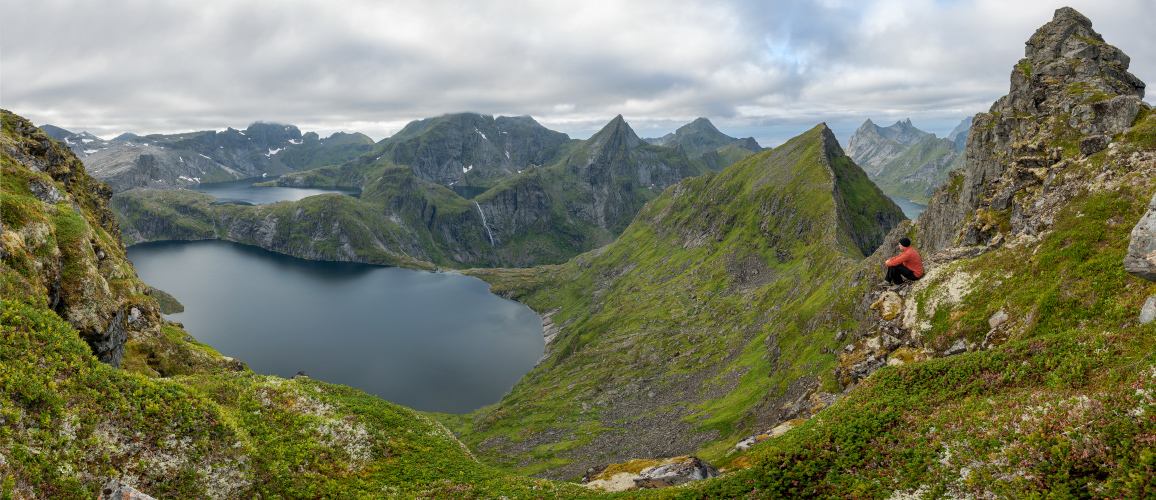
[[468, 192], [910, 208], [430, 341], [242, 192]]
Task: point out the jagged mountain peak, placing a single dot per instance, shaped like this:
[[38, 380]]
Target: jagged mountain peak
[[614, 132], [1070, 88], [1065, 63]]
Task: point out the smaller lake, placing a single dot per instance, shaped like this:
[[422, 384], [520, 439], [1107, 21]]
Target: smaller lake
[[430, 341], [243, 192], [468, 192], [910, 208]]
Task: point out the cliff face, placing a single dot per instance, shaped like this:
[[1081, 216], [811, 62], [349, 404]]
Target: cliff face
[[1070, 95]]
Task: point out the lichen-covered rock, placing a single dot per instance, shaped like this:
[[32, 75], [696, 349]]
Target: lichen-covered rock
[[1141, 259], [1148, 312], [680, 472], [115, 490], [1093, 144], [889, 305]]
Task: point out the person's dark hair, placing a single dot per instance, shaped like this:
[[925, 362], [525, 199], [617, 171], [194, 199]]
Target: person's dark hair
[[905, 242]]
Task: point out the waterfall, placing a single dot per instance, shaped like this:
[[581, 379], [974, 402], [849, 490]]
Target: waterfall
[[483, 214]]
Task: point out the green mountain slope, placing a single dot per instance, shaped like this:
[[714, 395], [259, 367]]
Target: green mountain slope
[[661, 339]]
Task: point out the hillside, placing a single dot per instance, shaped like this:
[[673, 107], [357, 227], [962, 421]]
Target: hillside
[[905, 161], [659, 342], [166, 161]]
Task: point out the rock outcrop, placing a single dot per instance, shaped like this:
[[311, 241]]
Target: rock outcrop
[[648, 474], [1070, 83], [1141, 258], [60, 239]]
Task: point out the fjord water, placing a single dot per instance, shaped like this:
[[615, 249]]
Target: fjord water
[[430, 341], [243, 191], [910, 208]]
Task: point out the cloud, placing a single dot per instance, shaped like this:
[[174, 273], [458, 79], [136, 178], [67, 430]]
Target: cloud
[[772, 68]]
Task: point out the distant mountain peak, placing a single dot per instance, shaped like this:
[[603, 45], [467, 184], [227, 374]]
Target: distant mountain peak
[[616, 129]]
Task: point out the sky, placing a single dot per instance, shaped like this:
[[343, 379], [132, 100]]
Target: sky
[[769, 69]]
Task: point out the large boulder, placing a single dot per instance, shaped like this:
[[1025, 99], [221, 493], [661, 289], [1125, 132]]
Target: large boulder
[[1141, 258]]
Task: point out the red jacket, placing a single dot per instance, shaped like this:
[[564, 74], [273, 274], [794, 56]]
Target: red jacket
[[910, 258]]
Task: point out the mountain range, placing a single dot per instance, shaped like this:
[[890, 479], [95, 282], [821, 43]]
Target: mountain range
[[170, 161], [531, 214], [736, 317], [905, 161]]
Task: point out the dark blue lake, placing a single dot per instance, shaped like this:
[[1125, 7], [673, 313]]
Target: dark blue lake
[[910, 208], [242, 191], [430, 341]]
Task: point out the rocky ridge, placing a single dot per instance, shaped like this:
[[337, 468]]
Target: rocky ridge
[[60, 240]]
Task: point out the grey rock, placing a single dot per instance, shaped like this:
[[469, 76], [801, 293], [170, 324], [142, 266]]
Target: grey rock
[[997, 319], [108, 343], [959, 347], [1141, 258], [1093, 144], [890, 343], [301, 374], [115, 490], [47, 193], [1105, 117], [664, 476], [1148, 312]]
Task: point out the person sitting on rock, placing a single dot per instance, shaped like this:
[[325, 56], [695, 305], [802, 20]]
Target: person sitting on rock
[[907, 264]]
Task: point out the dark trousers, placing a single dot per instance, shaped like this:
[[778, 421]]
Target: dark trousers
[[895, 274]]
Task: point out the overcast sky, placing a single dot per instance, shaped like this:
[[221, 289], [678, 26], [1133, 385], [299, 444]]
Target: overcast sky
[[770, 69]]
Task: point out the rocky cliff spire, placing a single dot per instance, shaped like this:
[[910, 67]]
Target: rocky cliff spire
[[1070, 85]]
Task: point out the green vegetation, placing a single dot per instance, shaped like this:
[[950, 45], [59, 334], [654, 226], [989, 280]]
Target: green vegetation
[[690, 297]]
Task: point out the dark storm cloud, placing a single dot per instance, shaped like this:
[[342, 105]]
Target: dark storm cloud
[[769, 68]]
